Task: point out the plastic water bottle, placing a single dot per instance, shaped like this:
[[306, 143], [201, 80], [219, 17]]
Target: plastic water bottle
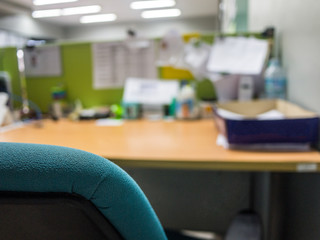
[[275, 80], [186, 104]]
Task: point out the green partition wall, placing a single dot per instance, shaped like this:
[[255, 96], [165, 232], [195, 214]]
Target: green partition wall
[[76, 60], [9, 63], [77, 79]]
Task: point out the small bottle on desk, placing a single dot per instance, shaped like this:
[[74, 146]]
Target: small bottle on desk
[[275, 80], [186, 103]]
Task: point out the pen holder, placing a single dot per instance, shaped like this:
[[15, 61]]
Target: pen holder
[[131, 110]]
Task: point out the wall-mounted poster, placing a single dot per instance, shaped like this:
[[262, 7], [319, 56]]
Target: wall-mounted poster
[[43, 61], [114, 62]]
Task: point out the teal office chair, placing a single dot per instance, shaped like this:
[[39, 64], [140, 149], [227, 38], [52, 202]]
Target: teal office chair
[[51, 192]]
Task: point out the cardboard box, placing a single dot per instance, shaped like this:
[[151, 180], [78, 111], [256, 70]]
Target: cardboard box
[[266, 121]]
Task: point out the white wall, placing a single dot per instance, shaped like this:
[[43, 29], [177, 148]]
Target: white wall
[[150, 29], [29, 27], [26, 26], [298, 24]]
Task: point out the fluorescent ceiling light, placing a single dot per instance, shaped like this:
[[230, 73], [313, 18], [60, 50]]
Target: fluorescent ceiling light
[[152, 4], [66, 11], [81, 10], [46, 13], [98, 18], [161, 13], [47, 2]]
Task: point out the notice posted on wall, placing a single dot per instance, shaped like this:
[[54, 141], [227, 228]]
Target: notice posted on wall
[[114, 62], [238, 55], [43, 61], [150, 91]]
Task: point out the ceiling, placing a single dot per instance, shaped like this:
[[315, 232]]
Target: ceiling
[[189, 8]]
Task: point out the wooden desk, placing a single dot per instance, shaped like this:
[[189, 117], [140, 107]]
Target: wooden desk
[[178, 144]]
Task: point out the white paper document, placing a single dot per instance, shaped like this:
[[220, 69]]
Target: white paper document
[[150, 91], [114, 62], [229, 115], [238, 55], [104, 65], [109, 122], [12, 126], [43, 61], [269, 115]]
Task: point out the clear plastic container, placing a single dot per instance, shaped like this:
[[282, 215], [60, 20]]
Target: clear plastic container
[[275, 80], [186, 103]]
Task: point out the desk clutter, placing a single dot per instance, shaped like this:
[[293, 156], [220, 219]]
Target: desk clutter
[[156, 99], [266, 125], [189, 59], [152, 99], [235, 67]]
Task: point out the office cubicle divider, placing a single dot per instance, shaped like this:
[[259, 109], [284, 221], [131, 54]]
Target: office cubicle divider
[[9, 64], [77, 77]]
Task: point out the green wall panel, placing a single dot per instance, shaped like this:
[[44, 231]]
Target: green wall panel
[[77, 79], [206, 90], [39, 91], [9, 63]]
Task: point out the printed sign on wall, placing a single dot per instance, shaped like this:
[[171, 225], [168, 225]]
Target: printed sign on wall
[[44, 61], [114, 62]]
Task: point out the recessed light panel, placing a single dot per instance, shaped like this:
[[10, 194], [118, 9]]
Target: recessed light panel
[[48, 2], [46, 13], [81, 10], [66, 11], [152, 4], [98, 18], [161, 13]]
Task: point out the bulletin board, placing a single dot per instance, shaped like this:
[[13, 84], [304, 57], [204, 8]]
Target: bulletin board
[[44, 61], [114, 62]]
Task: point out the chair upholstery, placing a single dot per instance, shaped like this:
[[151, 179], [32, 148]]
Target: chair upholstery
[[43, 168]]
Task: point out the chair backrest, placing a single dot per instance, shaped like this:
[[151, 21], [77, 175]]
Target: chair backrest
[[67, 189]]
